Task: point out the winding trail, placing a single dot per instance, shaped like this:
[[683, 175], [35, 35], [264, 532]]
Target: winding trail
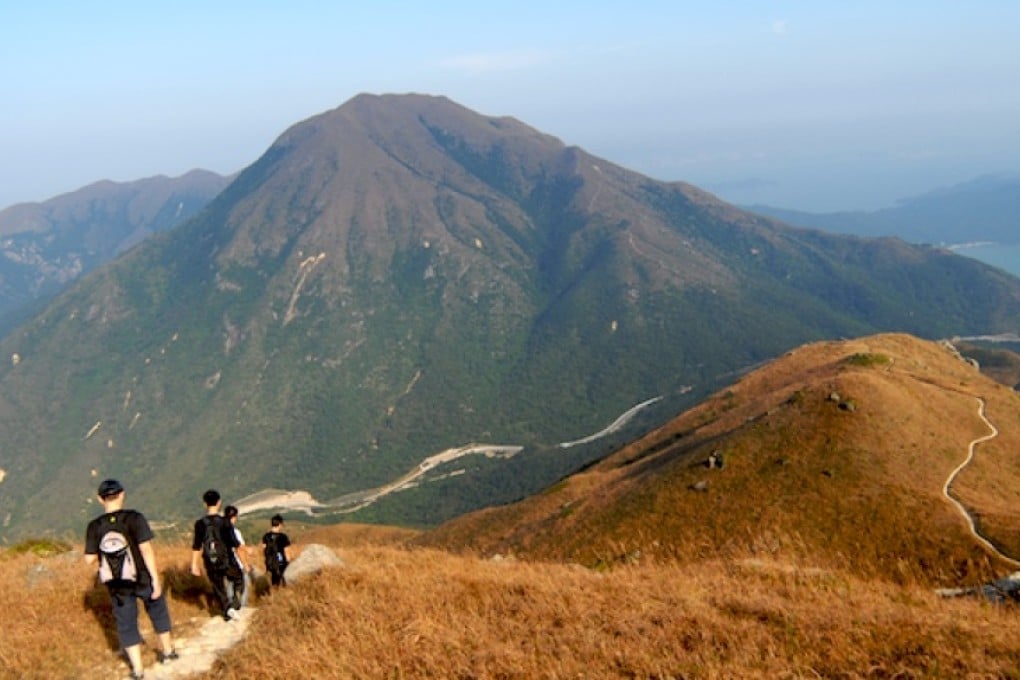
[[959, 468]]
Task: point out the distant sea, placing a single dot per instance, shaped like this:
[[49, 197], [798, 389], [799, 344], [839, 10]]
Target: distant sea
[[1002, 255]]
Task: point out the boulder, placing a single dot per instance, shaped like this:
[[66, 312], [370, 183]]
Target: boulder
[[313, 559]]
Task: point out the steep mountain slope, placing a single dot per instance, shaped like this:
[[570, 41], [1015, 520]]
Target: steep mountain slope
[[835, 453], [984, 209], [46, 245], [999, 359], [401, 275]]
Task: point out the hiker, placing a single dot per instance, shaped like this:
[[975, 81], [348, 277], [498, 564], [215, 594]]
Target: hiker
[[276, 547], [241, 555], [214, 542], [121, 542]]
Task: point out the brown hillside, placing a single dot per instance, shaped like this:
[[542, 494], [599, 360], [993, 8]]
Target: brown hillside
[[396, 613], [835, 454]]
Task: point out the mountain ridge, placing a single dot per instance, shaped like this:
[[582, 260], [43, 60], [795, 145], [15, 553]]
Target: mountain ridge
[[982, 209], [46, 245]]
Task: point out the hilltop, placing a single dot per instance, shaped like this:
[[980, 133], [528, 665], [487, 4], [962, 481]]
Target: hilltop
[[835, 454]]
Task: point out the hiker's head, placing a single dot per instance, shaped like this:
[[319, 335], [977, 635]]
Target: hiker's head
[[276, 520], [211, 498], [110, 489], [230, 512]]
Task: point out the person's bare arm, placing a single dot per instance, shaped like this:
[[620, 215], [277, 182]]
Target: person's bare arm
[[239, 553], [196, 556], [149, 557]]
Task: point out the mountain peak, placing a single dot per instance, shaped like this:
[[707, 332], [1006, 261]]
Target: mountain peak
[[398, 120], [399, 277]]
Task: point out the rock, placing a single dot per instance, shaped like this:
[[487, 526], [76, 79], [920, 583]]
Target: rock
[[1005, 589], [313, 559], [699, 486], [37, 574]]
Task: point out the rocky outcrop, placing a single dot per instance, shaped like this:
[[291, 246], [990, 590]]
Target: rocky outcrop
[[313, 559], [1006, 589]]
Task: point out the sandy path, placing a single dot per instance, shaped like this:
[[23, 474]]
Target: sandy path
[[959, 468], [199, 651]]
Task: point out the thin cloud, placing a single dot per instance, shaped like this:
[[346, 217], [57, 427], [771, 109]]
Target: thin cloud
[[781, 26], [489, 62]]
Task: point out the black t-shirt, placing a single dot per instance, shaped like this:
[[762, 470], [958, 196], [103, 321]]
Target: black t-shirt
[[275, 541], [214, 523], [135, 529]]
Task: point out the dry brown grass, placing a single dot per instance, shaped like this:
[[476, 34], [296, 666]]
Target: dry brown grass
[[392, 612], [427, 614], [58, 623]]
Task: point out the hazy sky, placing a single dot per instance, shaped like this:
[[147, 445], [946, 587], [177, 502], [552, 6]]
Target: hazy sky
[[816, 105]]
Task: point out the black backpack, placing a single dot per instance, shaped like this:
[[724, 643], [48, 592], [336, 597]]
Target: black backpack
[[214, 551], [116, 560], [276, 559]]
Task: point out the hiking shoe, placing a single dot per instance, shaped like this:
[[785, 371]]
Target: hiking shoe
[[137, 675], [167, 658], [231, 614]]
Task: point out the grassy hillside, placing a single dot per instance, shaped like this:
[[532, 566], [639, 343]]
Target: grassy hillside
[[400, 613], [835, 453]]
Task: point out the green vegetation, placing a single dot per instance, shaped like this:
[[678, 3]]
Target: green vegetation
[[41, 547], [469, 289], [866, 359]]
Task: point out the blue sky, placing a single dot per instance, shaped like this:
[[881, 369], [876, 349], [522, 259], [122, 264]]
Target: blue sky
[[815, 105]]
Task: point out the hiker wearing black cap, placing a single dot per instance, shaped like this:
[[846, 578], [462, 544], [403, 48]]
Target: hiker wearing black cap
[[120, 541]]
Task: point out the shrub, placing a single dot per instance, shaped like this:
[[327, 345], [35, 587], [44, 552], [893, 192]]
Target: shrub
[[867, 359]]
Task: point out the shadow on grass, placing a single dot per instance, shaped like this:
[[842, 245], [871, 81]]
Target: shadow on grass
[[184, 586], [180, 584], [260, 585], [97, 601]]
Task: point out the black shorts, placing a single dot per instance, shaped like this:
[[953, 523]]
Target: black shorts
[[125, 611]]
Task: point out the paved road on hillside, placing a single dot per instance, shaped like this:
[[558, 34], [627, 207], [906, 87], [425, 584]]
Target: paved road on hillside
[[959, 506]]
